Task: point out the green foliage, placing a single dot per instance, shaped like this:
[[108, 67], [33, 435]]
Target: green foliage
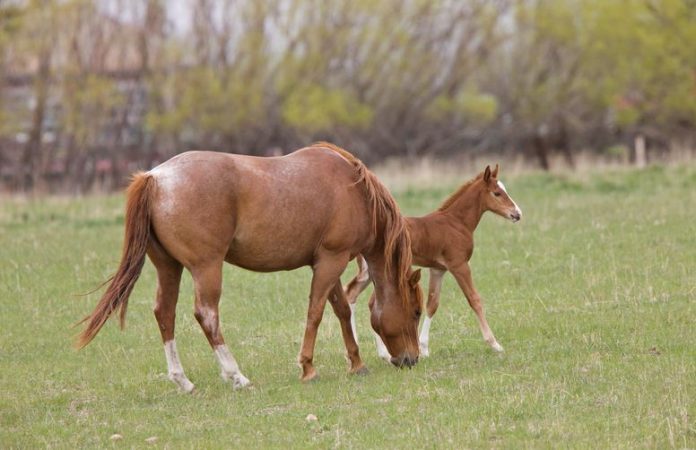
[[636, 51], [600, 348], [313, 108], [90, 100], [477, 108], [248, 75], [208, 101]]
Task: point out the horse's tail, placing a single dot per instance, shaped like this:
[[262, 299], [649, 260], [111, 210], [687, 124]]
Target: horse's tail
[[397, 241], [137, 236]]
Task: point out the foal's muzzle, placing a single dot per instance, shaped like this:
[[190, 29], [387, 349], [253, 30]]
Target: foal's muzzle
[[405, 360], [516, 216]]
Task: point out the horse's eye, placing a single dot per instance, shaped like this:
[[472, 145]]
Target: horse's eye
[[418, 314], [497, 194]]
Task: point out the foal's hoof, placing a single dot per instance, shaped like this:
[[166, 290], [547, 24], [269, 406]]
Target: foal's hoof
[[497, 347], [361, 372]]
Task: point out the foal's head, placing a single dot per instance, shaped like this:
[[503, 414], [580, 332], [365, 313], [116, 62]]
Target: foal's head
[[496, 199], [395, 320]]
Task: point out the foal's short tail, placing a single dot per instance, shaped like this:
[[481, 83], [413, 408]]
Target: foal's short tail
[[137, 235]]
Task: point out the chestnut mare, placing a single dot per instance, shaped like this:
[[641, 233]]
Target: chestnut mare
[[319, 206], [444, 241]]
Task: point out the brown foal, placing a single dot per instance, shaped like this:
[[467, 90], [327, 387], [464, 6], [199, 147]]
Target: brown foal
[[318, 207], [444, 241]]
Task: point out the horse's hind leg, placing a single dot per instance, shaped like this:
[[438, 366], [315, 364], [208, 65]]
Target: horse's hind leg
[[462, 274], [208, 287], [168, 279], [339, 303], [355, 287], [433, 303]]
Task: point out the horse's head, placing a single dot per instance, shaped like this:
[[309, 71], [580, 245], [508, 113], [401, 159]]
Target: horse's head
[[395, 319], [496, 198]]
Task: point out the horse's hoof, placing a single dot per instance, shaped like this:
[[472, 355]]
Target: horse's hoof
[[182, 382], [362, 371], [311, 377], [240, 382]]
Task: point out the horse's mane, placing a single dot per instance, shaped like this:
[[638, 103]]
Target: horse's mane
[[397, 242], [464, 187]]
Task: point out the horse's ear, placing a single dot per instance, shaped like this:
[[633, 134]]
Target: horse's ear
[[487, 174], [414, 278], [495, 172]]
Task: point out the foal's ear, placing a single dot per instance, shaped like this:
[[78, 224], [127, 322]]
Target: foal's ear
[[414, 278], [487, 174], [495, 172]]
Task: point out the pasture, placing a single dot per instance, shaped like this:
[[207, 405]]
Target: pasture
[[592, 295]]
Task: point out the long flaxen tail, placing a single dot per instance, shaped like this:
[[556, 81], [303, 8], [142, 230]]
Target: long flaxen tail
[[137, 236]]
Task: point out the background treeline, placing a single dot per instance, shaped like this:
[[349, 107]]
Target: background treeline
[[94, 89]]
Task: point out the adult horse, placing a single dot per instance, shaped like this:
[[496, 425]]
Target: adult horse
[[319, 206], [444, 241]]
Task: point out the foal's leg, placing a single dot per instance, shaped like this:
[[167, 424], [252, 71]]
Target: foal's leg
[[382, 351], [327, 270], [433, 303], [208, 286], [168, 278], [462, 274], [355, 287], [339, 303]]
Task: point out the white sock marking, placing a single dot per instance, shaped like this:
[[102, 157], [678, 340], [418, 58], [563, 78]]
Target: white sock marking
[[209, 318], [382, 351], [174, 368], [363, 275], [424, 338], [352, 321], [230, 369]]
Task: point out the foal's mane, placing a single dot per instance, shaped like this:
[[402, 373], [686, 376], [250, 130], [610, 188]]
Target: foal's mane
[[464, 187], [384, 210]]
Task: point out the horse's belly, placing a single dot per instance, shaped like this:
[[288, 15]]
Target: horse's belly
[[269, 256]]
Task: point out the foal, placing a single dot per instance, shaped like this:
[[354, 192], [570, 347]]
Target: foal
[[318, 207], [444, 241]]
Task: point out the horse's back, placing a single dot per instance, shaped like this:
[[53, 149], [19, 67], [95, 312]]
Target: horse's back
[[259, 213]]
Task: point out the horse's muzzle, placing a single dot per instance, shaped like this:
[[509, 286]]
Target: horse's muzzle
[[405, 360]]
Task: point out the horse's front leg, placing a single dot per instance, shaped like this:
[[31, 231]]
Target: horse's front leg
[[343, 312], [462, 273], [327, 270]]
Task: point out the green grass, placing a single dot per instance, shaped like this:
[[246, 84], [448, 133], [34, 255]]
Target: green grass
[[592, 295]]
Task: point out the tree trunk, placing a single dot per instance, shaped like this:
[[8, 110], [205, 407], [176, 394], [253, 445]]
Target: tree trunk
[[564, 146], [32, 150], [541, 150]]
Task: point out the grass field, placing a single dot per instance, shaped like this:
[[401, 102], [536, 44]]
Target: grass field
[[593, 296]]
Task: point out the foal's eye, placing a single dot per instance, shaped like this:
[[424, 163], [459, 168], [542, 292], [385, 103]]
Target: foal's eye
[[497, 194]]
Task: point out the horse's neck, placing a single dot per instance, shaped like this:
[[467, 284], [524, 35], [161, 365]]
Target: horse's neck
[[466, 209], [385, 283]]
